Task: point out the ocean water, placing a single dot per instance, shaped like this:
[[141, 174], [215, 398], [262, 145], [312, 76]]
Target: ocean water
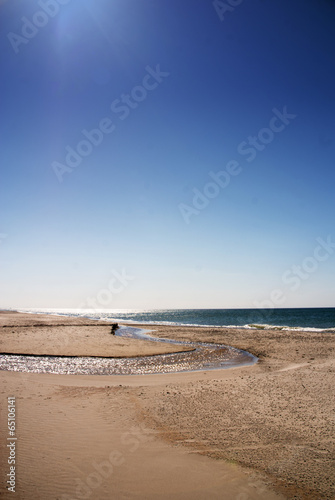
[[318, 319]]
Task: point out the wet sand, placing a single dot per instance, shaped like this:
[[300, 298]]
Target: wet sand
[[260, 432]]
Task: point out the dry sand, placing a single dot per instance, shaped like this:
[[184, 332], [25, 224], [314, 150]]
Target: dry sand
[[73, 337], [261, 432]]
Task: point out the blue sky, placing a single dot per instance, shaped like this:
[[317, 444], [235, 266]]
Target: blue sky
[[193, 88]]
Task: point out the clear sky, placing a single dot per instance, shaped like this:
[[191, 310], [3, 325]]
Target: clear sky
[[206, 175]]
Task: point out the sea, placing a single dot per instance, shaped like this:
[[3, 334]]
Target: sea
[[308, 319]]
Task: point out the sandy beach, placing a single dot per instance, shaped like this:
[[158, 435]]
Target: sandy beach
[[256, 432]]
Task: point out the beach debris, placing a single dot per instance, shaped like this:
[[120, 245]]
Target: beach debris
[[115, 326]]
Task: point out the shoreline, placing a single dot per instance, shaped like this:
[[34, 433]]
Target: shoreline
[[152, 324], [269, 425]]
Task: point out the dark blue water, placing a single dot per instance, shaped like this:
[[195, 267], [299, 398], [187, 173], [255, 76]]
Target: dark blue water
[[302, 318], [299, 318]]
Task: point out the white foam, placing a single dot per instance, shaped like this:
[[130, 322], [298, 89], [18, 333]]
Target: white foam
[[112, 314]]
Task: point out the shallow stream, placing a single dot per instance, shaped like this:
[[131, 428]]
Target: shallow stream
[[203, 357]]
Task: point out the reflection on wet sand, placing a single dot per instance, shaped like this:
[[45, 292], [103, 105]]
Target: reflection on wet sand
[[203, 357]]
